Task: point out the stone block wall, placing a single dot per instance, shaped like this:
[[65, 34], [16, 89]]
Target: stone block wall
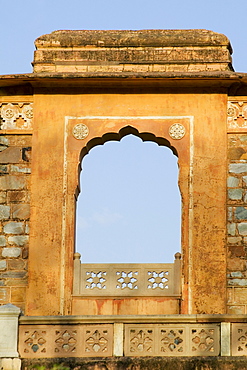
[[237, 223], [15, 169], [142, 51]]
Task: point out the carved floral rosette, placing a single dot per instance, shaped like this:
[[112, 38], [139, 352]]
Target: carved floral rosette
[[16, 116], [237, 114]]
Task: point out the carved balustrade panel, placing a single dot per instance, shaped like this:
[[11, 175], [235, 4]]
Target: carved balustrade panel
[[46, 341], [239, 339], [126, 280], [172, 340]]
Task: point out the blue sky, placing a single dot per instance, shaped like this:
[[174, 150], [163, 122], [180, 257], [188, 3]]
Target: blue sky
[[23, 21], [121, 215]]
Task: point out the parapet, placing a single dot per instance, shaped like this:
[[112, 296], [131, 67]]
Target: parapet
[[136, 52]]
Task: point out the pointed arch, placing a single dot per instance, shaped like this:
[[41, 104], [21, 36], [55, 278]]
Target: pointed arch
[[161, 237], [113, 136]]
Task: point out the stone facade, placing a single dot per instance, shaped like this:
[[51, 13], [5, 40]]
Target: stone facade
[[61, 117], [175, 88]]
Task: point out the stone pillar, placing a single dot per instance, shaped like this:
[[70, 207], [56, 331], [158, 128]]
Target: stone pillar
[[9, 330]]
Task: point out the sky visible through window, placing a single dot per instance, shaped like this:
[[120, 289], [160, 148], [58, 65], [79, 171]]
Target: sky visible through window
[[129, 209]]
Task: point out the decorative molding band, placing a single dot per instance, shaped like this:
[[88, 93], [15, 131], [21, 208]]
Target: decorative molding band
[[16, 116]]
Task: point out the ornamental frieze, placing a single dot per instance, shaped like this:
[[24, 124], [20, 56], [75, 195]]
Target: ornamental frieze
[[16, 116], [237, 114]]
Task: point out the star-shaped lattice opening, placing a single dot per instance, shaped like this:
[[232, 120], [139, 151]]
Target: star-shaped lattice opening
[[127, 280], [158, 280], [96, 279]]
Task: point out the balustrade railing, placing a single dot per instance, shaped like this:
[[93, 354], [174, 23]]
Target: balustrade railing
[[128, 279], [36, 337], [135, 336]]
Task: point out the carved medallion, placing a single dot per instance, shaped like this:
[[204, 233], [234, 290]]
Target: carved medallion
[[80, 131], [9, 112], [27, 111], [177, 131]]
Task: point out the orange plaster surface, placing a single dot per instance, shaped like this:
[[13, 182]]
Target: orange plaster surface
[[56, 156], [126, 306]]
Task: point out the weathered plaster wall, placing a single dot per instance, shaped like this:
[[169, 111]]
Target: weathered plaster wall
[[50, 281]]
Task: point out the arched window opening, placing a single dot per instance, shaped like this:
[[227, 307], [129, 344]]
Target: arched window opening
[[129, 209]]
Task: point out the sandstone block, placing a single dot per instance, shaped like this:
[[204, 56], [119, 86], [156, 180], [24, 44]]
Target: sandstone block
[[3, 196], [13, 274], [236, 310], [235, 153], [16, 264], [234, 240], [242, 228], [231, 229], [236, 274], [20, 169], [236, 263], [240, 295], [11, 252], [4, 140], [4, 212], [18, 294], [232, 182], [10, 155], [21, 211], [25, 253], [14, 282], [235, 194], [238, 167], [4, 295], [243, 138], [10, 182], [10, 363], [19, 240], [237, 282], [2, 241], [13, 227], [3, 169], [20, 140], [230, 294], [3, 264], [27, 228], [229, 211], [241, 213], [235, 251], [245, 180], [16, 196]]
